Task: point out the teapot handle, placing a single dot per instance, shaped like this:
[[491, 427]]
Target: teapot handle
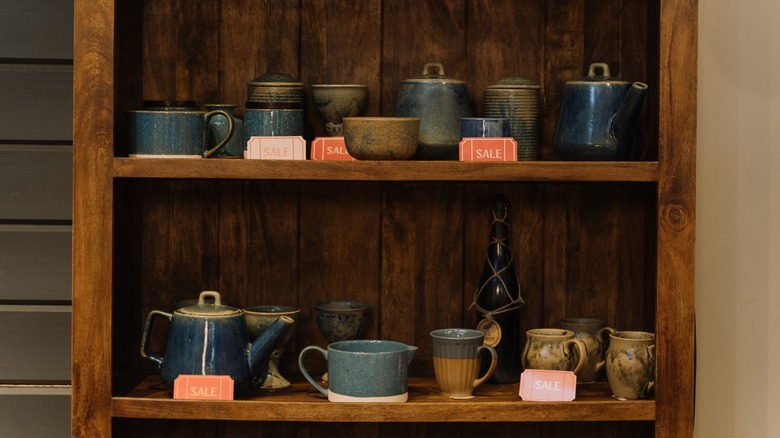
[[306, 373], [156, 358], [602, 65], [436, 65]]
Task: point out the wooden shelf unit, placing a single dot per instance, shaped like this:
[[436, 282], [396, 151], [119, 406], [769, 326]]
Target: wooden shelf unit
[[607, 239]]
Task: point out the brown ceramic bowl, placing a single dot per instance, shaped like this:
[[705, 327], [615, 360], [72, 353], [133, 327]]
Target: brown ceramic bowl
[[381, 138]]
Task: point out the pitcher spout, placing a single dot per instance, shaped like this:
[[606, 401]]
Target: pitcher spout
[[623, 123], [262, 348]]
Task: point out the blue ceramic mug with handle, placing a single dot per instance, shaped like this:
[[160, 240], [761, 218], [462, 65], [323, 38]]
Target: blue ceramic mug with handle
[[173, 132], [364, 370]]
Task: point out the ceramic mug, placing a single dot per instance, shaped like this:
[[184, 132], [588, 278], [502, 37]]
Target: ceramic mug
[[631, 364], [590, 331], [456, 361], [364, 370], [554, 349], [483, 127], [173, 133]]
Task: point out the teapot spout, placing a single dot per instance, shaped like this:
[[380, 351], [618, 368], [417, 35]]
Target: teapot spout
[[410, 350], [623, 124], [262, 348]]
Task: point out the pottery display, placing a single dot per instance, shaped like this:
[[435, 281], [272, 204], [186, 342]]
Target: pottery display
[[210, 338], [381, 138], [599, 118], [364, 370], [519, 100], [274, 107], [257, 320], [336, 101], [630, 364], [440, 103], [173, 129], [553, 349], [590, 331], [218, 128]]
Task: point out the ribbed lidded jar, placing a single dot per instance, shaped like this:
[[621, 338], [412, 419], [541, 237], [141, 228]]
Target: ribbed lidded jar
[[518, 100]]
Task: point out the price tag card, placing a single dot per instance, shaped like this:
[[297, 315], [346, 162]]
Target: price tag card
[[488, 149], [275, 148], [197, 387], [547, 385], [330, 148]]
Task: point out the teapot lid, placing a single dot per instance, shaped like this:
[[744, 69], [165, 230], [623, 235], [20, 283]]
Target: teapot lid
[[428, 76], [604, 77], [204, 308], [514, 82]]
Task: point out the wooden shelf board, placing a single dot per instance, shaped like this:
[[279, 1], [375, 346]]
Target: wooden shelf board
[[301, 402], [215, 168]]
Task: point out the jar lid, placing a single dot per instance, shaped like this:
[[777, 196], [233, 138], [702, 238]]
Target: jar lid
[[275, 80], [170, 104], [514, 82], [434, 72], [213, 309]]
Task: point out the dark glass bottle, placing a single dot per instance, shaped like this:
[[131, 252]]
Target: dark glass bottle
[[498, 298]]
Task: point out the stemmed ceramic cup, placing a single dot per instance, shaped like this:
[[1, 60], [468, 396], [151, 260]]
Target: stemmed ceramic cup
[[341, 320], [336, 101]]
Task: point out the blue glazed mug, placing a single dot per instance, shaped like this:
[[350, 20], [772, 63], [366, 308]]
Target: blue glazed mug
[[173, 133], [483, 127], [364, 370]]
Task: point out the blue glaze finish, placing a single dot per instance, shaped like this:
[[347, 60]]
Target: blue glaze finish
[[218, 128], [272, 123], [211, 339], [484, 127], [364, 368], [172, 132], [598, 120]]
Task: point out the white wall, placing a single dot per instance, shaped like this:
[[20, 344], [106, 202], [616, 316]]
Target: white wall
[[738, 220]]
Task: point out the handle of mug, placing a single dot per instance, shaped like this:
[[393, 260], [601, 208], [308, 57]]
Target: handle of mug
[[493, 363], [651, 358], [583, 350], [156, 358], [229, 134], [600, 336], [523, 357], [305, 373]]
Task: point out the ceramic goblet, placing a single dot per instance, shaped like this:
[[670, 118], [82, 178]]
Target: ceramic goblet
[[336, 101], [341, 320], [257, 319]]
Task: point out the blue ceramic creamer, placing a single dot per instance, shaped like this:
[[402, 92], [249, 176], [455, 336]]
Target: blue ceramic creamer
[[211, 339], [364, 370]]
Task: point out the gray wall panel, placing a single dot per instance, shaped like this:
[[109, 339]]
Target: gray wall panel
[[35, 262], [36, 29], [36, 182], [35, 343], [36, 412], [37, 102]]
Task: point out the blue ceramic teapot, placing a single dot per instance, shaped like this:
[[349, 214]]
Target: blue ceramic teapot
[[211, 339], [599, 118]]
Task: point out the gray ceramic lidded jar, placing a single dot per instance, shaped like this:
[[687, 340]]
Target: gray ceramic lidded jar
[[519, 101]]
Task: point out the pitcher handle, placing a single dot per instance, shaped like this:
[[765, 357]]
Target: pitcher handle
[[156, 358], [583, 350], [306, 374], [493, 363], [601, 339], [229, 134]]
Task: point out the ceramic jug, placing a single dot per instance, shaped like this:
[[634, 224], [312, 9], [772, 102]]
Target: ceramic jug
[[591, 332], [553, 349], [210, 338]]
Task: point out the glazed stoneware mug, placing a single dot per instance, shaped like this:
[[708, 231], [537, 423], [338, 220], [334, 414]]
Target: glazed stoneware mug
[[591, 331], [484, 127], [173, 132], [456, 361], [364, 370], [554, 349], [631, 364]]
